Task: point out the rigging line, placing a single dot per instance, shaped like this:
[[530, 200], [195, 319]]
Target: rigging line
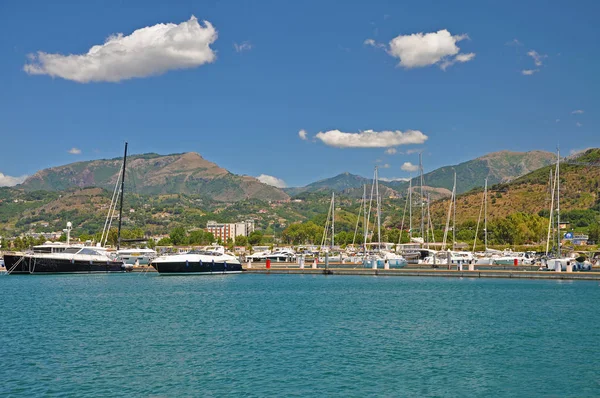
[[479, 220], [402, 224], [358, 217], [110, 206]]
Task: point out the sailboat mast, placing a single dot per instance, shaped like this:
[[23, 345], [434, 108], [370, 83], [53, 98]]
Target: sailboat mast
[[454, 213], [485, 232], [332, 219], [121, 199], [378, 201], [422, 197], [552, 186], [558, 198], [410, 209], [365, 226]]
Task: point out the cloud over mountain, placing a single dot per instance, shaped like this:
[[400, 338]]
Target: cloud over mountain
[[270, 180], [408, 166], [148, 51], [371, 139], [8, 181]]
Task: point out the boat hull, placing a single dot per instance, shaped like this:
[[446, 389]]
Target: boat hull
[[188, 268], [27, 265]]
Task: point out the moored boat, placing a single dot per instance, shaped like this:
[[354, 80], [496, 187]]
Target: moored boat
[[207, 261], [66, 259]]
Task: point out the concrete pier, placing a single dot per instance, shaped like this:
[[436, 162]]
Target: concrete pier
[[590, 276]]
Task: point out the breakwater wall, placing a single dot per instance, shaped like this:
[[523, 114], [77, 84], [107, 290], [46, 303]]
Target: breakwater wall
[[513, 274]]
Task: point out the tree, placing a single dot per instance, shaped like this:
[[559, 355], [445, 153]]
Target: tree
[[255, 237], [178, 236], [196, 237], [241, 240], [164, 242]]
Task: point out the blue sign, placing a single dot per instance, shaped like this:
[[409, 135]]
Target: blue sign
[[569, 235]]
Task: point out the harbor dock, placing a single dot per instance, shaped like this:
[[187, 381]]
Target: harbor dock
[[430, 272]]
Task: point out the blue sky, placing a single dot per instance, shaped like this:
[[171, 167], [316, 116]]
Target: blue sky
[[278, 67]]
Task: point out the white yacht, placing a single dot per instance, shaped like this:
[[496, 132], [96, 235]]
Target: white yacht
[[284, 254], [63, 258], [209, 260]]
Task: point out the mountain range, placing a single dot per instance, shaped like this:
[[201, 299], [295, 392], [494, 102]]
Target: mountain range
[[497, 167], [190, 173], [53, 196], [153, 174]]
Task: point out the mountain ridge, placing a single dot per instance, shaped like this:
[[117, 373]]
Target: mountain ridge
[[151, 173]]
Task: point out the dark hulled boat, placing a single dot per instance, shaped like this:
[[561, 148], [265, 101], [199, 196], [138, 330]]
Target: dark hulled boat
[[52, 259], [208, 261]]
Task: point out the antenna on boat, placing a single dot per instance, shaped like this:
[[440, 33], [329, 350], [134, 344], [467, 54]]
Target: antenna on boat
[[121, 198]]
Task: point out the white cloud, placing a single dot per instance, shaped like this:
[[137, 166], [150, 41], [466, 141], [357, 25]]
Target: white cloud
[[391, 151], [8, 181], [270, 180], [408, 166], [513, 42], [371, 139], [393, 179], [74, 151], [458, 58], [373, 43], [578, 124], [557, 120], [148, 51], [577, 112], [537, 58], [529, 72], [302, 134], [385, 166], [244, 46], [425, 49], [411, 151]]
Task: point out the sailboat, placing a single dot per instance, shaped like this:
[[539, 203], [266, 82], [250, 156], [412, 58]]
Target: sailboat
[[380, 253], [559, 263], [60, 258]]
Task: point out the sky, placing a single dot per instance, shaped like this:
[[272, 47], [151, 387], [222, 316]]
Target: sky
[[295, 92]]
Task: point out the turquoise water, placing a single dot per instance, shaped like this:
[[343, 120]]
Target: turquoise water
[[297, 335]]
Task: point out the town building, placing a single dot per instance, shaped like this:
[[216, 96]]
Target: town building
[[225, 231]]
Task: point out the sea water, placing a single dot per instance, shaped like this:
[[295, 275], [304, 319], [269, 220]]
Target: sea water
[[297, 335]]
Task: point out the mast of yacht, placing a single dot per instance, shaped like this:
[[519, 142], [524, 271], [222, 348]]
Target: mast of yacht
[[485, 229], [122, 194], [359, 214], [402, 223], [552, 185], [378, 201], [410, 210], [429, 221], [454, 216], [422, 197], [332, 219], [451, 203], [479, 218], [558, 199]]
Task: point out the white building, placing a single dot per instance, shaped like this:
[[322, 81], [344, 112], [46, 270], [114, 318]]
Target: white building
[[230, 230]]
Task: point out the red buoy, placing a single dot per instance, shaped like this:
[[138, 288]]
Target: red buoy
[[268, 263], [516, 262]]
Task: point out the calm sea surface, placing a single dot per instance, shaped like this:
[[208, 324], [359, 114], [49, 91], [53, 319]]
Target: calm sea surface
[[292, 335]]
